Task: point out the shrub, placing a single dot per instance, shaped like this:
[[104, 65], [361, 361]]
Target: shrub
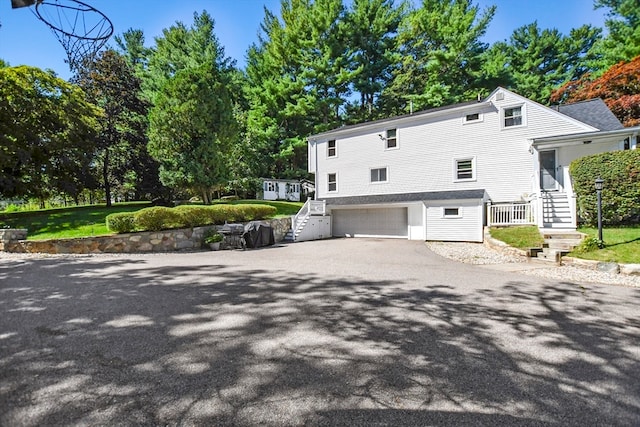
[[123, 222], [212, 236], [193, 216], [621, 193], [158, 218], [251, 212], [589, 244]]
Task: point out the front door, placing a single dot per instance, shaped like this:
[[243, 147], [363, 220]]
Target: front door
[[548, 180]]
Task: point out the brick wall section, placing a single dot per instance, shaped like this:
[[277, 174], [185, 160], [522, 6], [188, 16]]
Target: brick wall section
[[12, 240]]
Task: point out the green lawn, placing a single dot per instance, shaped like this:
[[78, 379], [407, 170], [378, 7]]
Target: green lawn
[[86, 221], [522, 237], [63, 223], [621, 244]]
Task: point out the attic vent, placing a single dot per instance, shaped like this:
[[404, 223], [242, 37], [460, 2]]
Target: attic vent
[[499, 96]]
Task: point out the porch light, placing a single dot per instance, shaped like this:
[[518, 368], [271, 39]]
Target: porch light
[[599, 185]]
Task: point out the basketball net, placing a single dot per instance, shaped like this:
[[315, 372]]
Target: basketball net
[[81, 29]]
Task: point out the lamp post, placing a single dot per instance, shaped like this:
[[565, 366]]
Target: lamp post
[[599, 184]]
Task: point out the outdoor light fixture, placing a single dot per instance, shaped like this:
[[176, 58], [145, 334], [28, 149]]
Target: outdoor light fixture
[[599, 185]]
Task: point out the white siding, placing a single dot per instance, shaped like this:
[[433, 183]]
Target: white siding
[[466, 228], [424, 160]]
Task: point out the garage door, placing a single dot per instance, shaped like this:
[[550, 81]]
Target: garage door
[[388, 222]]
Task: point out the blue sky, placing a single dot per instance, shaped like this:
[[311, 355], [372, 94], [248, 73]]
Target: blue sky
[[26, 40]]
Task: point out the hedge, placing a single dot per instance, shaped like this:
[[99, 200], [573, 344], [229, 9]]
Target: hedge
[[621, 194], [162, 218], [122, 222]]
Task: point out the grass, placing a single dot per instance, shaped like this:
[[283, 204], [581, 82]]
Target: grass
[[522, 237], [84, 221], [87, 221], [621, 244]]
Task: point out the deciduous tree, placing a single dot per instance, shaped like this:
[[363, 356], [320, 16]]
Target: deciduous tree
[[619, 88], [46, 133]]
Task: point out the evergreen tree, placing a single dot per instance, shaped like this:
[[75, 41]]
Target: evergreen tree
[[191, 84], [440, 55], [371, 27]]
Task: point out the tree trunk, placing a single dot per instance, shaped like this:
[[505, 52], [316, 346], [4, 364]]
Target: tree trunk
[[105, 177]]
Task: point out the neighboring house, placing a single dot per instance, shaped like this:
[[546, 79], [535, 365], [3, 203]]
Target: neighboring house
[[442, 174], [281, 189]]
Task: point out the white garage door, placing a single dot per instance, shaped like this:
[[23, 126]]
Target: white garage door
[[388, 222]]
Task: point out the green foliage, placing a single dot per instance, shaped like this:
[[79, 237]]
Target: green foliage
[[621, 244], [121, 158], [537, 60], [212, 236], [522, 237], [193, 121], [440, 55], [61, 223], [621, 194], [157, 218], [622, 42], [47, 133], [123, 222], [588, 244]]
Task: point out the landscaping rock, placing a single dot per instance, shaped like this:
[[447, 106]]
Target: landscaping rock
[[631, 269], [608, 267]]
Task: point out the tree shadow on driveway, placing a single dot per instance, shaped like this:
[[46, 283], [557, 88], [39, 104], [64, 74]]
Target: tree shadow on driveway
[[128, 341]]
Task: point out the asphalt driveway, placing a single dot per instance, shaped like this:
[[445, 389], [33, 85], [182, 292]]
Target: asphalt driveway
[[339, 332]]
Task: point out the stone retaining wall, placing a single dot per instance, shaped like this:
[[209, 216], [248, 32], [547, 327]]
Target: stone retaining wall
[[13, 240]]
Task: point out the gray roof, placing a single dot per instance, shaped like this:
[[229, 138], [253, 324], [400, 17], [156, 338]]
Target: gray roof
[[405, 197], [392, 119], [593, 112]]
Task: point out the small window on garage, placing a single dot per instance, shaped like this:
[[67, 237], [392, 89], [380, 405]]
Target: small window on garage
[[451, 212], [332, 182]]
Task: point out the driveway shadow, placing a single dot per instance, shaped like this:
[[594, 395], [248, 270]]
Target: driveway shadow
[[125, 341]]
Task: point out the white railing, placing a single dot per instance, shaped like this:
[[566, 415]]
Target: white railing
[[511, 214], [310, 207]]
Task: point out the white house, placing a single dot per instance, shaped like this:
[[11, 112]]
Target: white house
[[442, 174], [281, 189]]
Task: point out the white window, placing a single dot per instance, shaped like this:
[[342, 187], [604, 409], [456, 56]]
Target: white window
[[332, 149], [452, 212], [332, 182], [472, 118], [391, 140], [465, 169], [379, 175], [269, 186], [513, 116]]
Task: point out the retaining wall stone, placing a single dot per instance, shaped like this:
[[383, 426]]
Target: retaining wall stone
[[14, 240]]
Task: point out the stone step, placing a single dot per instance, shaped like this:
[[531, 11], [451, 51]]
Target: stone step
[[562, 244]]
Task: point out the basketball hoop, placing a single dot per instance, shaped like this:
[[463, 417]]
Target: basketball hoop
[[81, 29]]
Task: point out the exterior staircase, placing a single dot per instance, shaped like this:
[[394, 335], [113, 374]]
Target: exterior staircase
[[310, 223], [556, 210], [558, 243]]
